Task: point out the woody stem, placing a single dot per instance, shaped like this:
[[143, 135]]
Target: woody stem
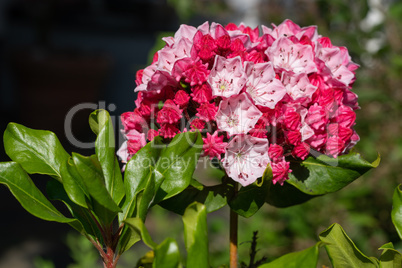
[[233, 234]]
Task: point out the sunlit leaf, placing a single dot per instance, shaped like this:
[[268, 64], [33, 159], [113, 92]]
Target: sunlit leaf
[[303, 258], [37, 151], [196, 235], [396, 213], [342, 251]]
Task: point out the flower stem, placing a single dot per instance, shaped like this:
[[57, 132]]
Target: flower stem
[[233, 234]]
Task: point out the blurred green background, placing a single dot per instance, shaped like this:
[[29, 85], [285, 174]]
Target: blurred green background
[[372, 32]]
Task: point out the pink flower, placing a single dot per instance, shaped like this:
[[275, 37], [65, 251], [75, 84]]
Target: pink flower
[[123, 153], [237, 115], [207, 111], [181, 98], [168, 130], [294, 137], [301, 150], [275, 152], [170, 113], [334, 146], [335, 61], [316, 117], [197, 124], [298, 86], [194, 72], [288, 86], [202, 93], [204, 46], [133, 120], [262, 85], [246, 158], [152, 133], [259, 130], [280, 172], [227, 77], [344, 133], [290, 57], [345, 116], [317, 141], [214, 145], [292, 118], [135, 141]]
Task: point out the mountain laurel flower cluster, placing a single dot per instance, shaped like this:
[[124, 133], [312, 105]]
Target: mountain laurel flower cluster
[[258, 96]]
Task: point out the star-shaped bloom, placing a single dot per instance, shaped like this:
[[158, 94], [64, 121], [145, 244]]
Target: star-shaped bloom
[[246, 158], [214, 145], [298, 86], [288, 56], [237, 115], [227, 77], [262, 85]]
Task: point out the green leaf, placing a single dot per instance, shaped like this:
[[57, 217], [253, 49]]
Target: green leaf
[[73, 184], [56, 191], [213, 197], [303, 258], [137, 174], [102, 126], [147, 198], [196, 235], [396, 213], [177, 163], [324, 174], [318, 176], [390, 258], [90, 171], [250, 199], [138, 227], [37, 151], [30, 197], [167, 255], [342, 251]]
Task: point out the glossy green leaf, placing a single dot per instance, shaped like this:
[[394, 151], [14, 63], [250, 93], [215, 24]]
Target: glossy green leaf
[[138, 227], [91, 174], [324, 174], [342, 251], [55, 191], [147, 198], [101, 124], [30, 197], [177, 163], [37, 151], [137, 174], [73, 184], [128, 237], [213, 197], [303, 258], [167, 255], [396, 213], [196, 235], [318, 176], [390, 258], [250, 199]]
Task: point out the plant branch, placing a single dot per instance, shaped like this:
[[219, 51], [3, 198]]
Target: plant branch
[[234, 218]]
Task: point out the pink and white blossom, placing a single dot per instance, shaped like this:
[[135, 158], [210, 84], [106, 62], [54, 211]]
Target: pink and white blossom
[[290, 57], [246, 158], [237, 115], [262, 86], [286, 86], [227, 77]]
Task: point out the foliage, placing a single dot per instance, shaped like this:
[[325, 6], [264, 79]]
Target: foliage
[[341, 249]]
